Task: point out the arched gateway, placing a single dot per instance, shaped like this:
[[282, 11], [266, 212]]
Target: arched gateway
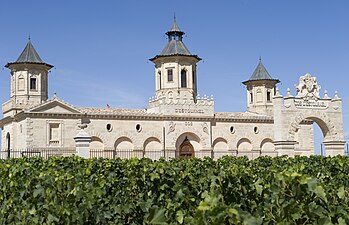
[[292, 113]]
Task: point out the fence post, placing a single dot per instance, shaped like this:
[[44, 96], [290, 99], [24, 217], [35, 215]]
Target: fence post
[[82, 142]]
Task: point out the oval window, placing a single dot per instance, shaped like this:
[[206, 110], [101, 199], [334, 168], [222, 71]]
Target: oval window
[[138, 128], [232, 130], [109, 127]]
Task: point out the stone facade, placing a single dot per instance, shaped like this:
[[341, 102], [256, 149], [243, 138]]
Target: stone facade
[[177, 122]]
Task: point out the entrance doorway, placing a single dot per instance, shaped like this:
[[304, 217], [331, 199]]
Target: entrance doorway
[[186, 150]]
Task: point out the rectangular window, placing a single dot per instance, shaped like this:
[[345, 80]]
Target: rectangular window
[[32, 83], [54, 134], [169, 75], [159, 80], [268, 96], [251, 97]]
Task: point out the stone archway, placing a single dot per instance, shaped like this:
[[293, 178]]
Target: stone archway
[[220, 148], [188, 145], [153, 148], [124, 147], [244, 148], [291, 113], [332, 138]]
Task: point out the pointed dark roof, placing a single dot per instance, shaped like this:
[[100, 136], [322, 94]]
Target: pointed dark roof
[[175, 27], [260, 73], [175, 45], [29, 56]]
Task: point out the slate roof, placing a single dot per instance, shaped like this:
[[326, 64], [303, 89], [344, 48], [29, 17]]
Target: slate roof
[[175, 45], [29, 55], [260, 73], [175, 27]]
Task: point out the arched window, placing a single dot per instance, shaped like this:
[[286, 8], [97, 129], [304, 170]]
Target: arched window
[[183, 78]]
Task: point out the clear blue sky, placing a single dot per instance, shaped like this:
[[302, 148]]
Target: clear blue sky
[[100, 49]]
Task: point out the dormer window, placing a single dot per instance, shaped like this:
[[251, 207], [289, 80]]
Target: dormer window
[[169, 75], [32, 83]]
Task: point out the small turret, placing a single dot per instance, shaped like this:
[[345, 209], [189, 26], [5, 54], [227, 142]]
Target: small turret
[[29, 81], [261, 88]]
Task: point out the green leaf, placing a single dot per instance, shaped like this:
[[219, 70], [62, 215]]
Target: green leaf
[[157, 216], [51, 218], [341, 192], [319, 191], [259, 188], [180, 216], [38, 191], [32, 211], [341, 221], [204, 206]]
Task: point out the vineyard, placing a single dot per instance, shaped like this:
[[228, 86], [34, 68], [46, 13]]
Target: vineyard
[[231, 190]]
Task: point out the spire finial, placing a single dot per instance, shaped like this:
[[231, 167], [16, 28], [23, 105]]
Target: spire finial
[[29, 37], [174, 16], [260, 58]]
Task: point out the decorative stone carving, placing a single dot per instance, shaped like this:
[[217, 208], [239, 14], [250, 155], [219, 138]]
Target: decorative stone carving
[[308, 88], [172, 127], [205, 128]]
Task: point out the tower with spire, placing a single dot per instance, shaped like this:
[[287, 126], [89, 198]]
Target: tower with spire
[[261, 88], [175, 68], [29, 81]]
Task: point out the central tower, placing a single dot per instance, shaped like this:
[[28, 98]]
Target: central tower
[[176, 79], [175, 67]]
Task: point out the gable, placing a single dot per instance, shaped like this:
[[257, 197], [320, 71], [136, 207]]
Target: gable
[[55, 107]]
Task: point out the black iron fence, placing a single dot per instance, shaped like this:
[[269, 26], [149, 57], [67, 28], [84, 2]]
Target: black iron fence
[[131, 153], [42, 152], [127, 153], [168, 154]]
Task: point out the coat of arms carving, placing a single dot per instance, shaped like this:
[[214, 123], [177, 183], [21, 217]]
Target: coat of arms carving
[[308, 88]]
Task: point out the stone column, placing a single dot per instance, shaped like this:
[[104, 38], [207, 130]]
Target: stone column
[[82, 142], [285, 148], [334, 148]]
